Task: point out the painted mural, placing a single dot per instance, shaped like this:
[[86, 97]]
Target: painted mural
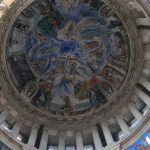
[[4, 146], [68, 56], [143, 143]]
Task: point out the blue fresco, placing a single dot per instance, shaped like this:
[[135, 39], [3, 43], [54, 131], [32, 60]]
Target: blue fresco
[[143, 143]]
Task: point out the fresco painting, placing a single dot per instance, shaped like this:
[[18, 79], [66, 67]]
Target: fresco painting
[[68, 57], [143, 143]]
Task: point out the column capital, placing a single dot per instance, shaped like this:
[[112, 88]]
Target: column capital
[[3, 115], [78, 133], [135, 112], [93, 128], [20, 119], [134, 98], [45, 129], [146, 71], [130, 105], [142, 80], [143, 96], [124, 127], [104, 123], [61, 134], [145, 83], [35, 126], [119, 116]]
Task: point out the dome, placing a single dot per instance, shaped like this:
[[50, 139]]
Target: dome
[[68, 58], [74, 74]]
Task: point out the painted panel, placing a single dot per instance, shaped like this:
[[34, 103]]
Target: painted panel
[[68, 57]]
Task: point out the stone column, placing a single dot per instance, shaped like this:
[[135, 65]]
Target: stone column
[[146, 73], [143, 96], [147, 53], [44, 139], [145, 34], [61, 141], [142, 21], [124, 127], [96, 138], [16, 128], [107, 133], [135, 112], [79, 141], [3, 115], [33, 135], [146, 70], [145, 83], [147, 65]]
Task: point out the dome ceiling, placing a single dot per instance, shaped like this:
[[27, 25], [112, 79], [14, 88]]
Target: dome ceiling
[[68, 57]]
